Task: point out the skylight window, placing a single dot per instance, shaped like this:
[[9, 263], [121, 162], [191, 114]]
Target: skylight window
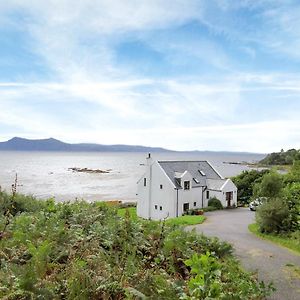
[[201, 172], [196, 180]]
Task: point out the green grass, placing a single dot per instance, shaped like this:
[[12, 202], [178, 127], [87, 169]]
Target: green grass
[[285, 241], [183, 220], [132, 212], [186, 220]]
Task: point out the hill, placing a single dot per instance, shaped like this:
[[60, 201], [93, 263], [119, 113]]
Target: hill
[[51, 144], [281, 158]]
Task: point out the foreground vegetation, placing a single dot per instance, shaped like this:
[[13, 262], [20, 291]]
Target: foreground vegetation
[[79, 250], [291, 241]]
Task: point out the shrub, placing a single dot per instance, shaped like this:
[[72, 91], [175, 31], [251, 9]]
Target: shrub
[[215, 203], [208, 276], [270, 186], [127, 204], [209, 208], [193, 212], [273, 216]]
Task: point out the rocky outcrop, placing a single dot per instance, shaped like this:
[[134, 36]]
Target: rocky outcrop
[[86, 170]]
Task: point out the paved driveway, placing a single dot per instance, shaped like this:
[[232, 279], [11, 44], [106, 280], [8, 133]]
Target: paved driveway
[[273, 263]]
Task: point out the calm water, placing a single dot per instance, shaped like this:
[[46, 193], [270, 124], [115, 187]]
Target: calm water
[[46, 174]]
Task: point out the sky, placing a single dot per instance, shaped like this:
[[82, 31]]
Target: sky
[[180, 74]]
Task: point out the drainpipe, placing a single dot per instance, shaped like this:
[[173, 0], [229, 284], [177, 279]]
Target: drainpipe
[[203, 190], [176, 202]]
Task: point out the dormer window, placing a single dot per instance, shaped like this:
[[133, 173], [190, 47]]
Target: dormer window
[[186, 185]]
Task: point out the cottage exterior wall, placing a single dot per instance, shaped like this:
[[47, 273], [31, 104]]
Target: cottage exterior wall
[[229, 187], [143, 196], [159, 203], [194, 195], [221, 195], [217, 194]]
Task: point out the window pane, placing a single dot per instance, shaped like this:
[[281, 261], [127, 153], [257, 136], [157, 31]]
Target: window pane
[[186, 185]]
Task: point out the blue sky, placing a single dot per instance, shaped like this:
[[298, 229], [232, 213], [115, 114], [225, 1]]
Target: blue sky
[[180, 74]]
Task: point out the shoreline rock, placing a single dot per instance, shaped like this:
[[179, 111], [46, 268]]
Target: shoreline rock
[[87, 170]]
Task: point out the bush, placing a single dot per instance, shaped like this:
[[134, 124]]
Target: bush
[[273, 216], [193, 212], [270, 186], [127, 204], [215, 203], [209, 208]]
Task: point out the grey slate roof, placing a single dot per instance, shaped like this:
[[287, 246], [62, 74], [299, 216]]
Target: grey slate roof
[[215, 184], [194, 168]]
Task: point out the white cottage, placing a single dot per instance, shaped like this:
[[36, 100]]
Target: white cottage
[[169, 188]]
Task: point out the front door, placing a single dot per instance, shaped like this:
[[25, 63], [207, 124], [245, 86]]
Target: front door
[[229, 196]]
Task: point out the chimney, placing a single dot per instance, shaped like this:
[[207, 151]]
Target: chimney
[[149, 159]]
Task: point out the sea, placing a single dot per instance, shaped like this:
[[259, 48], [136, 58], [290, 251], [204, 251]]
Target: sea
[[48, 175]]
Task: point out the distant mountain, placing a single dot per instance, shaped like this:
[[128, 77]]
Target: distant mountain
[[21, 144]]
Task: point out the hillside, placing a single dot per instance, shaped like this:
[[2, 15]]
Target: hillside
[[21, 144], [281, 158]]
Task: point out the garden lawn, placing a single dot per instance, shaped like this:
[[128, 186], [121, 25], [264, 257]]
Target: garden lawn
[[186, 220], [285, 241], [131, 210], [183, 220]]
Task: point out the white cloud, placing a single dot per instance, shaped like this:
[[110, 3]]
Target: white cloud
[[75, 41], [168, 122]]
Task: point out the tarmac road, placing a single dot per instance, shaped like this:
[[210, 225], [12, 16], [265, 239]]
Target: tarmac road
[[273, 263]]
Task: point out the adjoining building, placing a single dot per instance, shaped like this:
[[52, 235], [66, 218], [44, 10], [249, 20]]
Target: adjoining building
[[169, 188]]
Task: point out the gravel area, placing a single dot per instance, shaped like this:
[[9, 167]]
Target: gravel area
[[273, 263]]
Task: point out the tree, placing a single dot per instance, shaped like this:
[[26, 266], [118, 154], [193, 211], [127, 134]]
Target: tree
[[270, 186], [273, 216], [292, 199], [245, 183], [293, 176], [282, 157]]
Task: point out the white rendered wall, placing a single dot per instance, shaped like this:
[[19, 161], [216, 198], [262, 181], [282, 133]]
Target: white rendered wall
[[218, 194], [229, 187], [221, 195], [142, 207], [189, 196], [162, 198]]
